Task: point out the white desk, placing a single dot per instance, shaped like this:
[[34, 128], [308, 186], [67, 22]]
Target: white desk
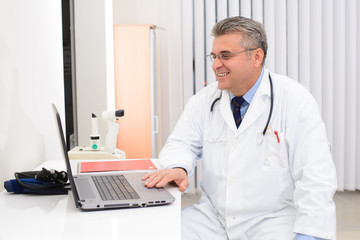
[[55, 217]]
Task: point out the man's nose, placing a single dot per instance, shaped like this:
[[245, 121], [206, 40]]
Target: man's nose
[[216, 63]]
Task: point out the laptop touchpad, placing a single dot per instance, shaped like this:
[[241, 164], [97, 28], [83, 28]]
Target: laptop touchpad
[[84, 189]]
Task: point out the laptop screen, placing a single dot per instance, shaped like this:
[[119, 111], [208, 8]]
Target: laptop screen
[[66, 156]]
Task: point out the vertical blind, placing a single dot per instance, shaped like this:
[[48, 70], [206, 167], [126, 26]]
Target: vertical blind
[[313, 42]]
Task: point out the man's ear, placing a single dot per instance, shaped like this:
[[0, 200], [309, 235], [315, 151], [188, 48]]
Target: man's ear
[[258, 57]]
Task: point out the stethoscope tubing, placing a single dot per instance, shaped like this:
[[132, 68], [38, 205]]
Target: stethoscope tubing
[[271, 104]]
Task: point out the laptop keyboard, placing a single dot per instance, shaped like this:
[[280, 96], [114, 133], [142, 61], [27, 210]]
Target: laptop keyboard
[[114, 188]]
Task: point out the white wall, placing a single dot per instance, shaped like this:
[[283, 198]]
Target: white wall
[[31, 78], [94, 64]]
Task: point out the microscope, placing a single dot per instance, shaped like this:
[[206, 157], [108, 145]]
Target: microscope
[[96, 150], [110, 117]]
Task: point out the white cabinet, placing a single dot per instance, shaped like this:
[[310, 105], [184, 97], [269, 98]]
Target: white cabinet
[[134, 89]]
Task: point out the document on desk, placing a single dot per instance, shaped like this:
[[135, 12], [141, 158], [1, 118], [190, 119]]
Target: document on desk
[[127, 165]]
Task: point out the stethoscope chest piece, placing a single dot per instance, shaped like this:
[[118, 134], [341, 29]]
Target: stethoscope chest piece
[[260, 138]]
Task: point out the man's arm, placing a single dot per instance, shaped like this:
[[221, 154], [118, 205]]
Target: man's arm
[[311, 167], [182, 149]]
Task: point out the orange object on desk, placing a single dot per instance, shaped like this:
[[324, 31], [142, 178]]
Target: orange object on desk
[[105, 166]]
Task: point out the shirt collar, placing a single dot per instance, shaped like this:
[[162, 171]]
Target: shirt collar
[[248, 96]]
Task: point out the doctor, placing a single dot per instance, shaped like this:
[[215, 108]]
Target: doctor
[[267, 171]]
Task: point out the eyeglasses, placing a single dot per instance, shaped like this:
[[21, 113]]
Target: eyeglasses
[[227, 55]]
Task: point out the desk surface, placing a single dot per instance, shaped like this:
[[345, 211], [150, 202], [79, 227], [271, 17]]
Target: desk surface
[[55, 217]]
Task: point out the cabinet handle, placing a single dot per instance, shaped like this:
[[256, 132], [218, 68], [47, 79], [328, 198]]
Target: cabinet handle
[[156, 124]]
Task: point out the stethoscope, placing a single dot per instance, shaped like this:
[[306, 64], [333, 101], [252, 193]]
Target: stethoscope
[[271, 106]]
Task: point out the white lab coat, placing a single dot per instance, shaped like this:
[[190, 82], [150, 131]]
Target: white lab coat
[[246, 177]]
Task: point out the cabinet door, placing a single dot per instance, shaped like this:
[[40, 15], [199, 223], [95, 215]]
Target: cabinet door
[[133, 89]]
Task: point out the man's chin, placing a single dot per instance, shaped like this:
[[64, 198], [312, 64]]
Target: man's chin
[[221, 86]]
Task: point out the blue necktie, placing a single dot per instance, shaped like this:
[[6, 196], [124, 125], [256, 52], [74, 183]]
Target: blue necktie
[[237, 101]]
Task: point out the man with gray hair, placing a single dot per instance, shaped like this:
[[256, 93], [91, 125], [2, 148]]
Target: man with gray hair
[[267, 170]]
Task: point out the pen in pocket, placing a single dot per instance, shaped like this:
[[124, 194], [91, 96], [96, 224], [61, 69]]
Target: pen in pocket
[[277, 136]]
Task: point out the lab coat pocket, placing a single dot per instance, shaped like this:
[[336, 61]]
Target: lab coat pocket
[[214, 132], [276, 157]]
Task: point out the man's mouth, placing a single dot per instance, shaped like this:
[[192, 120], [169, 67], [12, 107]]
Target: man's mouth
[[223, 74]]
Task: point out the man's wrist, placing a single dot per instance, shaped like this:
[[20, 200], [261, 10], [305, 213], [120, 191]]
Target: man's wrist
[[300, 236], [182, 169]]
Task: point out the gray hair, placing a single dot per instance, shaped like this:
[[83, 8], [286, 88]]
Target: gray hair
[[253, 32]]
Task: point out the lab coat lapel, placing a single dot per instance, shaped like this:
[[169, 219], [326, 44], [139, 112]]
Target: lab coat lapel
[[258, 103], [225, 110]]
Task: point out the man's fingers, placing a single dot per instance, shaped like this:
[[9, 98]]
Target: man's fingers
[[166, 178], [182, 188], [183, 185], [151, 181], [162, 183], [146, 176], [153, 178]]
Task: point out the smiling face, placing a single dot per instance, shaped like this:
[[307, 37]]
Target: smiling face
[[239, 72]]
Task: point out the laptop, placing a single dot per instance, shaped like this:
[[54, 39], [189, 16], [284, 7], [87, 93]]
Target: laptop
[[109, 191]]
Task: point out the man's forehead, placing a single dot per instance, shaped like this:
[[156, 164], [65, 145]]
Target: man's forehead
[[227, 42]]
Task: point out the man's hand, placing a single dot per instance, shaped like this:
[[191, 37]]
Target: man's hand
[[160, 178]]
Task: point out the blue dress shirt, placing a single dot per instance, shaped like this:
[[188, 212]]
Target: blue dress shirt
[[305, 237], [248, 96]]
